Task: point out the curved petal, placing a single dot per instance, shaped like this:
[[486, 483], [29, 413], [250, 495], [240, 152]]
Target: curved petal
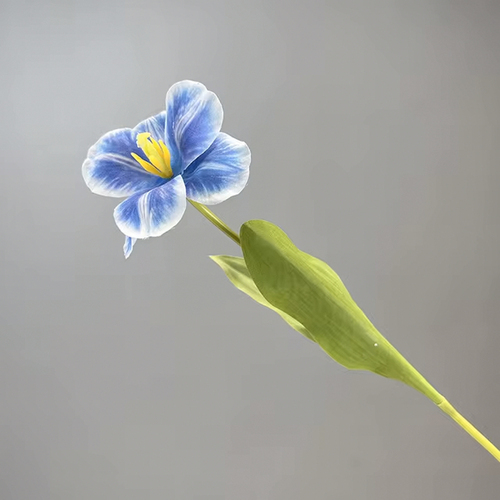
[[110, 170], [193, 121], [128, 246], [154, 212], [155, 125], [219, 173]]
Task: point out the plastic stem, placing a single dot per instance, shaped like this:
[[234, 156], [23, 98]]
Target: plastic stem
[[206, 212], [469, 428]]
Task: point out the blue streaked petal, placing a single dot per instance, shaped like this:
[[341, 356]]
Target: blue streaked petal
[[110, 170], [128, 246], [194, 119], [154, 212], [155, 125], [219, 173]]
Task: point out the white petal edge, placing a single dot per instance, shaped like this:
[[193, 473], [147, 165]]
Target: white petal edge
[[220, 173], [154, 212], [128, 246]]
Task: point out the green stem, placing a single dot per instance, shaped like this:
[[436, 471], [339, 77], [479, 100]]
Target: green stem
[[470, 429], [218, 223]]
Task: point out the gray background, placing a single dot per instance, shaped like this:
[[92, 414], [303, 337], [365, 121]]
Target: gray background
[[374, 130]]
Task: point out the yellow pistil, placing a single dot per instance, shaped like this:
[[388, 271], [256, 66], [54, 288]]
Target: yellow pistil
[[157, 154]]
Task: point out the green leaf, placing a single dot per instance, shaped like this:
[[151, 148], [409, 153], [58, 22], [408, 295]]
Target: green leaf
[[308, 290], [237, 272]]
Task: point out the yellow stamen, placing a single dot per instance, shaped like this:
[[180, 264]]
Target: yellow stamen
[[157, 154], [147, 166], [157, 148], [166, 153]]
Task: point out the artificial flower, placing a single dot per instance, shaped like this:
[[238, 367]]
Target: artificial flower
[[176, 155]]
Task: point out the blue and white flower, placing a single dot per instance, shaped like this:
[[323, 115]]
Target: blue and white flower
[[177, 154]]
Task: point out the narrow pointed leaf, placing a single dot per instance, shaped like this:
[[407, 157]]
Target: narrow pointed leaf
[[308, 290], [237, 272]]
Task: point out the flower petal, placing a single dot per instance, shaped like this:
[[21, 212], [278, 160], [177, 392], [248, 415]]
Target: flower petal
[[155, 125], [219, 173], [110, 170], [154, 212], [194, 119], [128, 246]]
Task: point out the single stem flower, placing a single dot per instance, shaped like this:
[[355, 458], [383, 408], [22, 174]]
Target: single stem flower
[[175, 155], [180, 154]]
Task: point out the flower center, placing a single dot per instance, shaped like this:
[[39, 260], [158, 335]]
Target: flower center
[[157, 154]]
